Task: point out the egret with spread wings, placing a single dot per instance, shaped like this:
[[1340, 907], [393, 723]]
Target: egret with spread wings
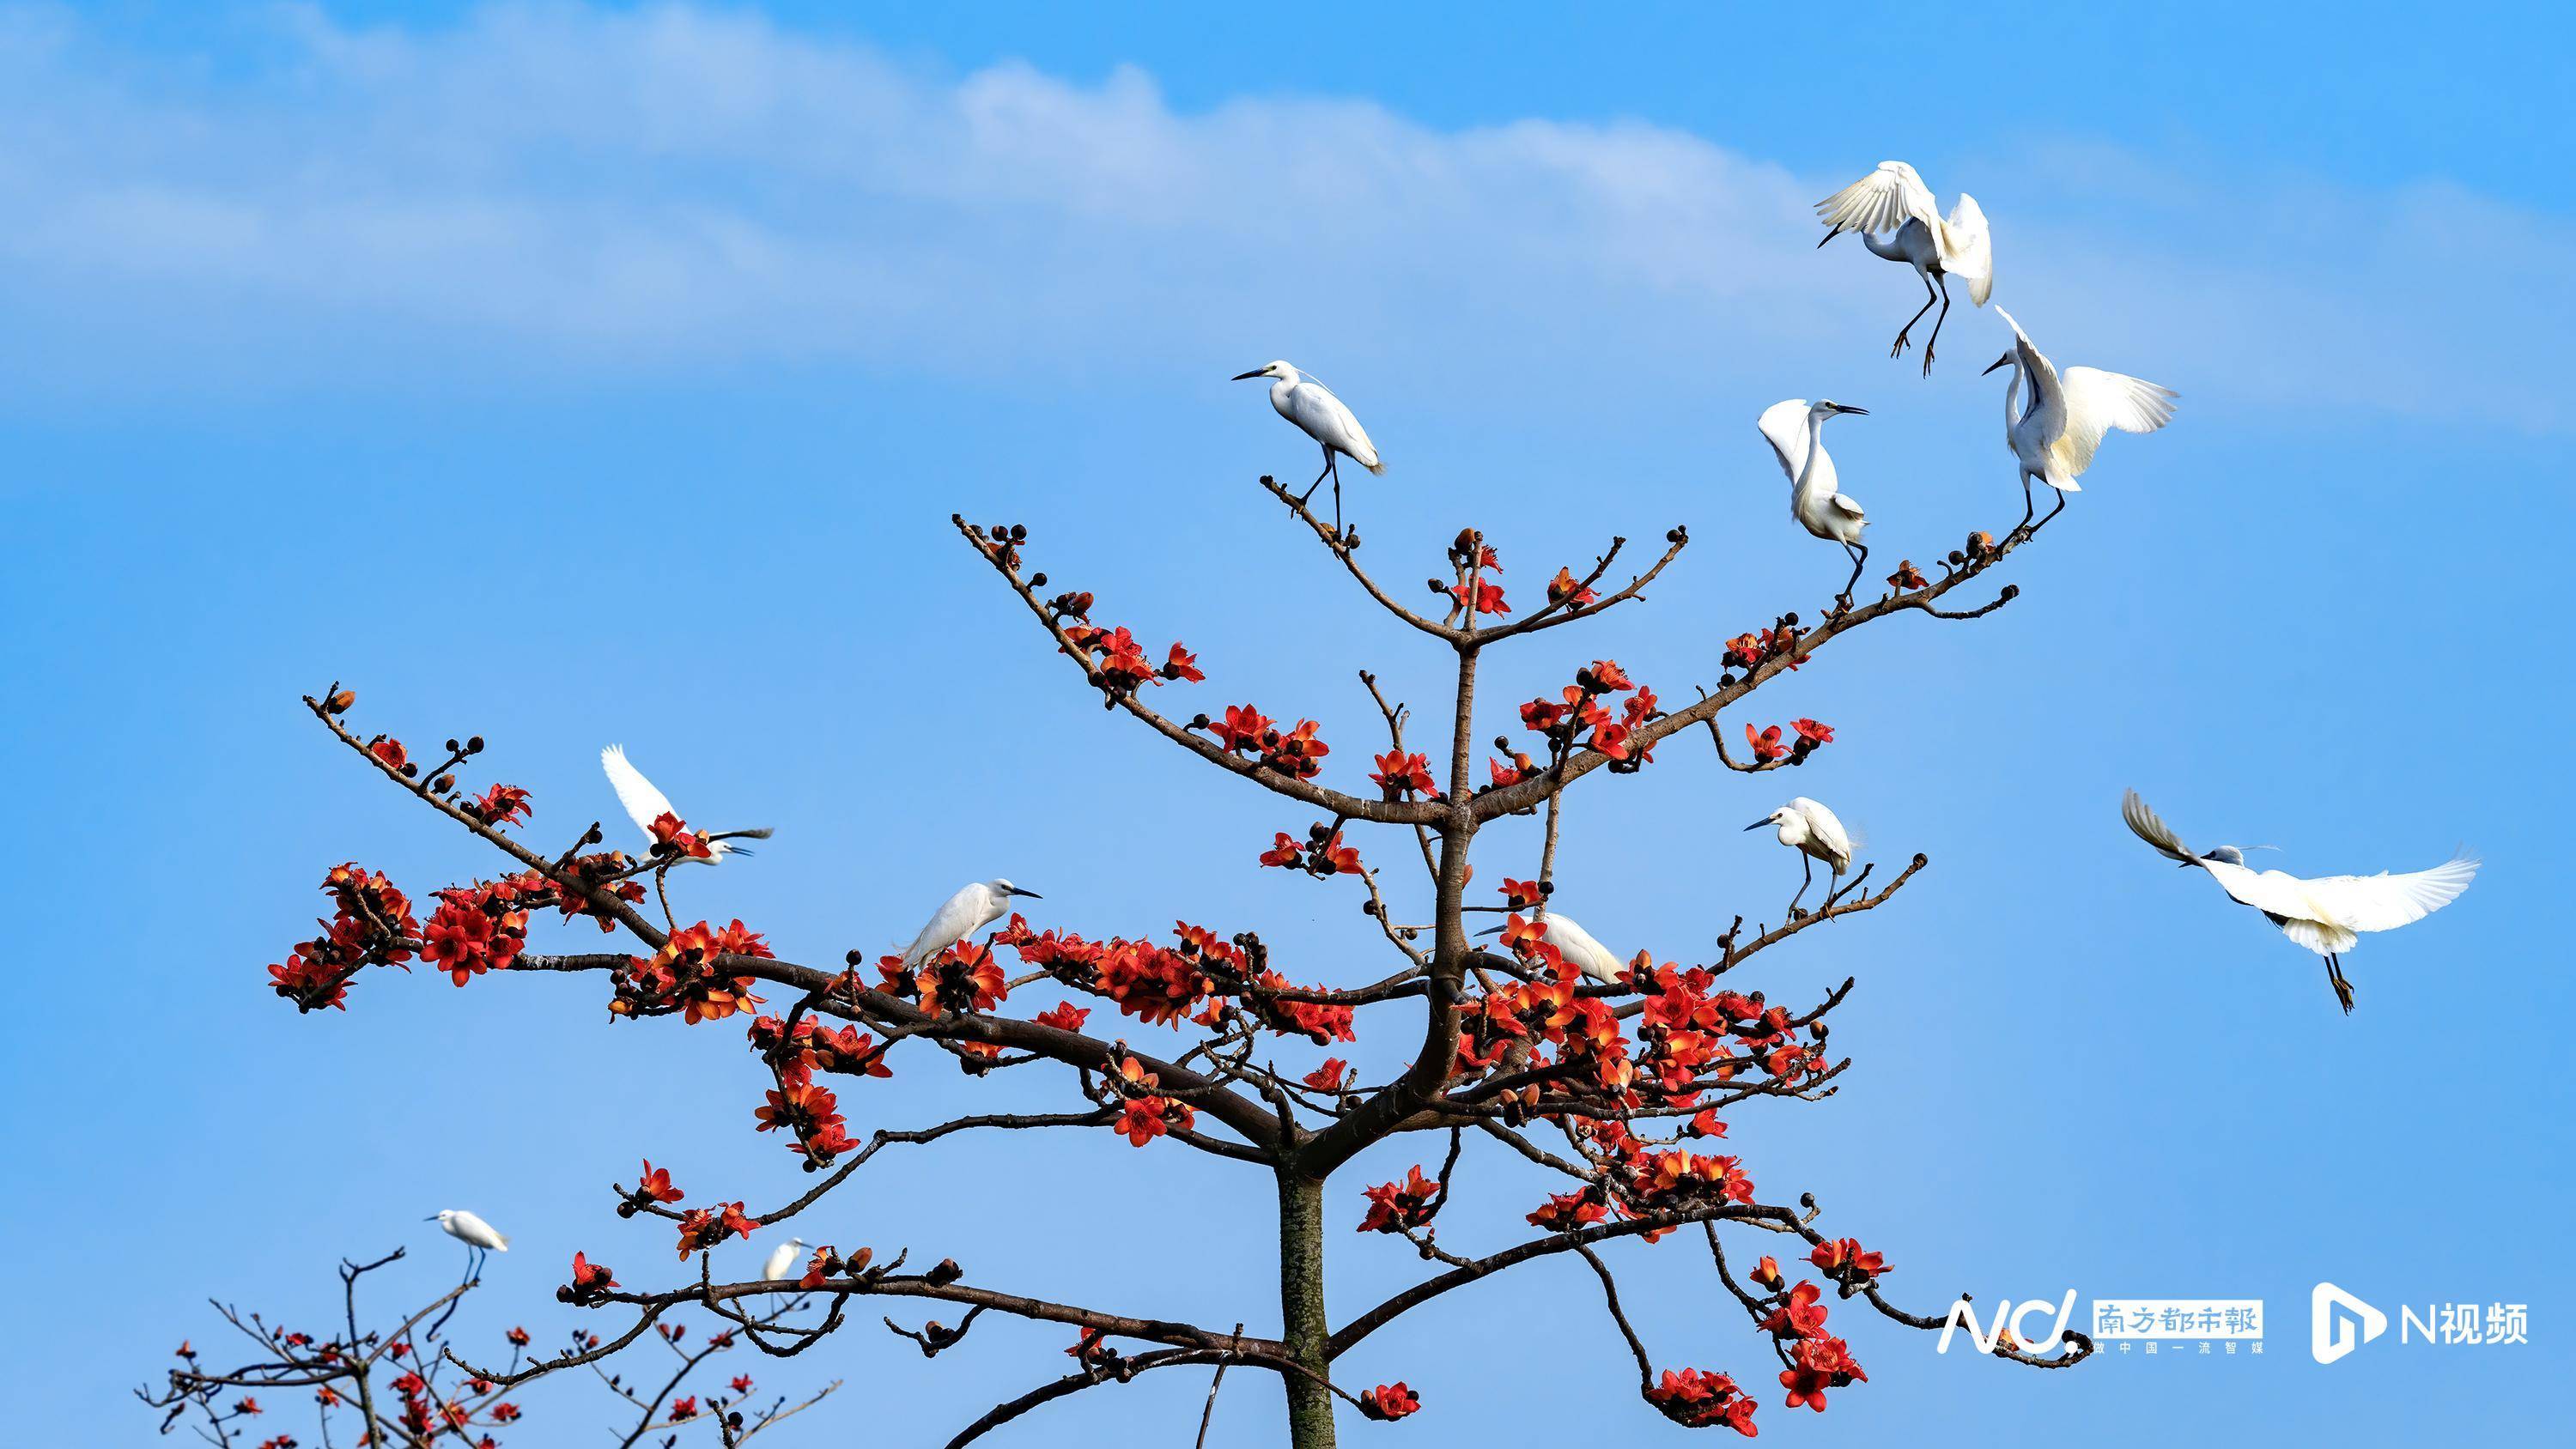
[[2323, 914], [2055, 437], [1893, 199]]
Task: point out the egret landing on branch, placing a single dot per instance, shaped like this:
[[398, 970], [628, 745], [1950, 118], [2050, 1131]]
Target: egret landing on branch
[[644, 805], [2054, 439], [970, 910], [1577, 946], [1894, 199], [1311, 406], [1795, 430], [479, 1237], [1816, 833], [2321, 914]]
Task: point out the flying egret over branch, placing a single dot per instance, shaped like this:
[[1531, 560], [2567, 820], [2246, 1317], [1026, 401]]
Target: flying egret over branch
[[2055, 438], [646, 806], [1796, 432], [2324, 914], [1312, 407], [970, 910], [1816, 833], [1893, 199]]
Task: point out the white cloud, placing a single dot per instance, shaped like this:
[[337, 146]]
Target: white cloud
[[582, 193]]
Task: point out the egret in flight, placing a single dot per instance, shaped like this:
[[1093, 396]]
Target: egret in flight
[[644, 805], [2323, 914], [1894, 199], [1796, 431], [479, 1237], [1311, 406], [2055, 437], [1816, 833], [970, 910], [783, 1259], [1577, 946]]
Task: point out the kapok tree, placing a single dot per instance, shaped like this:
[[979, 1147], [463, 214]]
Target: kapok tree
[[1617, 1087]]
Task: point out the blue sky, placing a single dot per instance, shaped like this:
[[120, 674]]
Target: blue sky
[[573, 374]]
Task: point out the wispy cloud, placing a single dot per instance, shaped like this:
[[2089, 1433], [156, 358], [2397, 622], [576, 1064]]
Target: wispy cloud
[[585, 193]]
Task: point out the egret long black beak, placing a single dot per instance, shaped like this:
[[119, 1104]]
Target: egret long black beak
[[1847, 408], [1248, 376], [1758, 824], [433, 1217], [1032, 895], [1830, 234], [1491, 931], [2003, 361]]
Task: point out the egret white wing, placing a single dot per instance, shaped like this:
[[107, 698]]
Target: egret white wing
[[2145, 824], [1825, 826], [2383, 902], [1313, 407], [643, 803], [2097, 401], [1883, 200], [1784, 427], [1966, 250]]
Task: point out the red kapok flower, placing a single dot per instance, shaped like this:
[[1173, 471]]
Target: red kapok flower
[[1389, 1401]]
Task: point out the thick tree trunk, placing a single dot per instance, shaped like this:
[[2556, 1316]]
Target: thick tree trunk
[[1301, 1310]]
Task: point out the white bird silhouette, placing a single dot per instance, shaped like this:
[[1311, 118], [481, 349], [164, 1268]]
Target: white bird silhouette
[[1577, 946], [1816, 833], [2055, 438], [1894, 199], [974, 907], [2324, 914], [1796, 432], [782, 1260], [480, 1238], [1312, 407], [645, 804]]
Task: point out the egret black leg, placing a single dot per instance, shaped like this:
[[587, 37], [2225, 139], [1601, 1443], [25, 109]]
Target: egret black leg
[[2052, 513], [1929, 297], [1333, 466], [1805, 880], [1319, 478], [2342, 987], [1860, 559], [2028, 507], [1935, 339]]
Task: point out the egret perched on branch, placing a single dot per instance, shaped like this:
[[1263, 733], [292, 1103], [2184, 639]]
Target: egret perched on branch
[[783, 1259], [644, 805], [970, 910], [2323, 914], [1796, 430], [1311, 406], [1577, 946], [479, 1237], [2055, 437], [1816, 833], [1894, 199]]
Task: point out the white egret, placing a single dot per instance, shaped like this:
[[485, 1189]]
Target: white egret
[[1894, 199], [2324, 914], [480, 1238], [1816, 833], [1796, 432], [970, 910], [1577, 946], [783, 1259], [1312, 407], [2055, 437], [645, 804]]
